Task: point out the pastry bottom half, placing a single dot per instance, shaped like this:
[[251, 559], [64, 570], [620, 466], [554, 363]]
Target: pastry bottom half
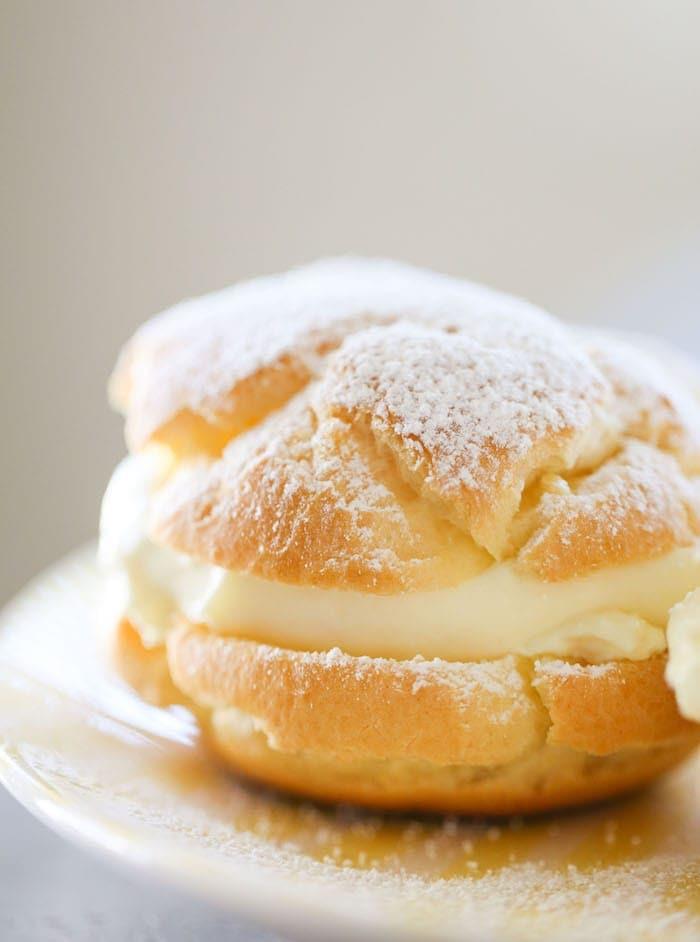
[[512, 736]]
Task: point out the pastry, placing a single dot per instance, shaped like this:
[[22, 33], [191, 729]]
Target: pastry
[[407, 542]]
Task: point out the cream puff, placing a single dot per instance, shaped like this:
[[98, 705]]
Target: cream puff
[[404, 541]]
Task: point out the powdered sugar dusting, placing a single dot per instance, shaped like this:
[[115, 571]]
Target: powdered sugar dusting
[[467, 681], [552, 667], [290, 478], [636, 506], [470, 421], [475, 397], [194, 355]]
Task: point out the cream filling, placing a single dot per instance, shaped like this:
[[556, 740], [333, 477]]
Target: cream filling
[[619, 612], [683, 668]]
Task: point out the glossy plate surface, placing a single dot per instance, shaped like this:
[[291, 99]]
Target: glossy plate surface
[[84, 754]]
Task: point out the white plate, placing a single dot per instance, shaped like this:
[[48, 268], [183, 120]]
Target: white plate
[[84, 754]]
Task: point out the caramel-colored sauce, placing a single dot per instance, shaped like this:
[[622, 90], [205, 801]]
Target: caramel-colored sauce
[[661, 821]]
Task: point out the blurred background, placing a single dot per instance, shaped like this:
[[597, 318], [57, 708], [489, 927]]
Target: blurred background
[[157, 149]]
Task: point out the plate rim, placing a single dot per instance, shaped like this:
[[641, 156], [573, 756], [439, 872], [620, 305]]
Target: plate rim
[[240, 887]]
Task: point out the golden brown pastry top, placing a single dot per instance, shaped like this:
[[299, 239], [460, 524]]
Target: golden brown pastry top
[[370, 425]]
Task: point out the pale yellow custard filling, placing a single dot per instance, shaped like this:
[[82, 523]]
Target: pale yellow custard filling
[[619, 612], [683, 668]]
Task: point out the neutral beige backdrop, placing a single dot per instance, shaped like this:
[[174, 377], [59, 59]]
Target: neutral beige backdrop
[[157, 149]]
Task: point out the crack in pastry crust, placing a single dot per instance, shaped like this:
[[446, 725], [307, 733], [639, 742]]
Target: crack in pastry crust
[[635, 506], [469, 424], [303, 499]]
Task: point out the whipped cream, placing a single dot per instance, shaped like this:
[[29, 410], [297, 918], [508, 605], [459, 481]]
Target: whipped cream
[[147, 584], [683, 668], [619, 612]]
